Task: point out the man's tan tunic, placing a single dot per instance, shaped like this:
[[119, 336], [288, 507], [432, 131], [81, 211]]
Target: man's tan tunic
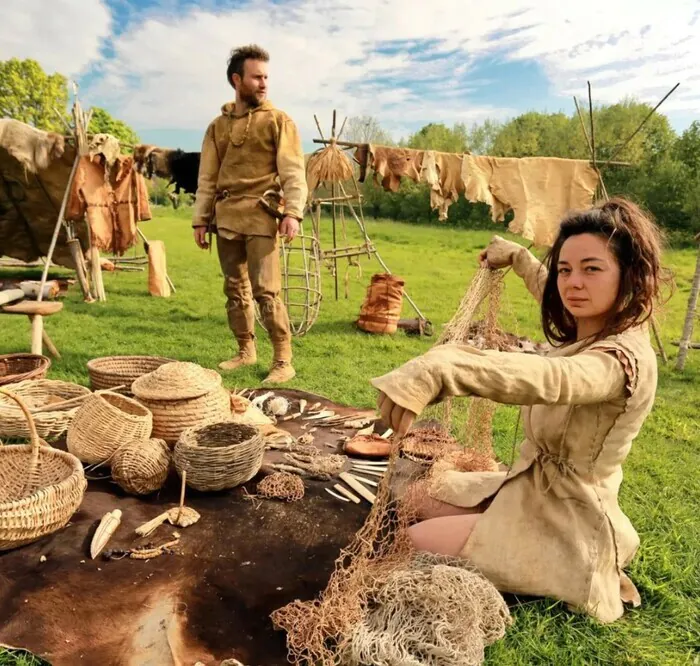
[[554, 526], [243, 156]]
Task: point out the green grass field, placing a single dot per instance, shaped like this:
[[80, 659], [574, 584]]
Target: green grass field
[[661, 491]]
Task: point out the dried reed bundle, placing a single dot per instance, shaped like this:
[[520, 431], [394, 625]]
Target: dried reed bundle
[[328, 165]]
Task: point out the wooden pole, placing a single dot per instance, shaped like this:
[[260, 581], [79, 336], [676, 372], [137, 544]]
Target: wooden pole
[[57, 226], [644, 122], [77, 254], [689, 317], [37, 331], [333, 217]]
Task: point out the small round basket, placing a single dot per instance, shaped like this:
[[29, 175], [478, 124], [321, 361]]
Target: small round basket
[[105, 422], [109, 372], [49, 395], [20, 367], [40, 487], [141, 468], [219, 455]]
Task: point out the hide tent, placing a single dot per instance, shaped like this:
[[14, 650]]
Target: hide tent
[[63, 199], [30, 197]]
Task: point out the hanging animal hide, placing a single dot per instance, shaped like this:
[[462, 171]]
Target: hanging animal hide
[[34, 149]]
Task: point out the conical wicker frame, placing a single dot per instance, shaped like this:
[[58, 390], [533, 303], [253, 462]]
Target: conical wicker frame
[[301, 282], [36, 393], [219, 455], [109, 372], [105, 422], [141, 467], [20, 367], [40, 487], [171, 417]]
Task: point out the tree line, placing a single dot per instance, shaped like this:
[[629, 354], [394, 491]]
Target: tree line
[[663, 176]]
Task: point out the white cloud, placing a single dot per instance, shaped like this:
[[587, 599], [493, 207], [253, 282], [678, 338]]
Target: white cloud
[[62, 35], [168, 68]]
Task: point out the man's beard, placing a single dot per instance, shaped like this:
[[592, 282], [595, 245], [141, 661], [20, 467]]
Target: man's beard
[[250, 99]]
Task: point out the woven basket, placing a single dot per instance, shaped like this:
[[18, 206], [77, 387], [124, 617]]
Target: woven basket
[[36, 393], [381, 310], [141, 467], [111, 371], [20, 367], [105, 422], [219, 455], [40, 487], [171, 417]]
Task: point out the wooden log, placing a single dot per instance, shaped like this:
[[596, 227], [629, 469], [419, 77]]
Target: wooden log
[[10, 296], [37, 331], [31, 289]]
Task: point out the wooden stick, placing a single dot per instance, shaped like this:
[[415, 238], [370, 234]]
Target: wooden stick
[[657, 336], [344, 491], [688, 325], [644, 122], [365, 470], [57, 226], [182, 495], [50, 345], [320, 131], [590, 114], [77, 254], [347, 144], [369, 482], [357, 486], [340, 497]]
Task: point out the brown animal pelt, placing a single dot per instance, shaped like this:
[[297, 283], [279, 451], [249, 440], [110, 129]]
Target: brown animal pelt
[[34, 149], [142, 161]]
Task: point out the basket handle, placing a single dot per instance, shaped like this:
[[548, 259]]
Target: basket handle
[[34, 438]]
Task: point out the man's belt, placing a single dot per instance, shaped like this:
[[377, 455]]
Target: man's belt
[[271, 201]]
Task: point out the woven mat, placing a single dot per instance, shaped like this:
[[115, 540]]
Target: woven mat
[[209, 603]]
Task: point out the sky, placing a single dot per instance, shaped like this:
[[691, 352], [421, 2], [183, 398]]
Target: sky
[[160, 65]]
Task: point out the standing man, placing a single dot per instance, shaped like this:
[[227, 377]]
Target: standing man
[[250, 149]]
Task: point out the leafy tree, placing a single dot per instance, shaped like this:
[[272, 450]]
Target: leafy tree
[[31, 96], [102, 122], [366, 129], [437, 136]]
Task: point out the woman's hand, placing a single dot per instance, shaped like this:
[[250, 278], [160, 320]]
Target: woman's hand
[[499, 253], [396, 417]]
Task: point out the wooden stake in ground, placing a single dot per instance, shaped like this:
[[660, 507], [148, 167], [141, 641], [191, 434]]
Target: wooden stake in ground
[[690, 314]]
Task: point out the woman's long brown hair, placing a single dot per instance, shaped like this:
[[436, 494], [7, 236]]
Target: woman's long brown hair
[[636, 242]]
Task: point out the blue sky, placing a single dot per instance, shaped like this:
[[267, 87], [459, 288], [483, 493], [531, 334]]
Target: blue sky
[[159, 64]]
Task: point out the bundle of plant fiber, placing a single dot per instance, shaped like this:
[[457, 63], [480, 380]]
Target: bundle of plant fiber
[[328, 165]]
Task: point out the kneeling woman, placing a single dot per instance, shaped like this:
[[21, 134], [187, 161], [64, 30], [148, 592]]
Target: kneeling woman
[[552, 526]]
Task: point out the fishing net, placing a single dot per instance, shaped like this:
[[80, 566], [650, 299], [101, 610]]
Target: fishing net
[[385, 604], [281, 485]]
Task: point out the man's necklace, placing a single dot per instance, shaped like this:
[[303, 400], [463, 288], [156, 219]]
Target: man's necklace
[[238, 144]]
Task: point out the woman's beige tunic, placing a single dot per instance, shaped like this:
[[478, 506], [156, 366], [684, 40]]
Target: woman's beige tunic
[[554, 527]]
